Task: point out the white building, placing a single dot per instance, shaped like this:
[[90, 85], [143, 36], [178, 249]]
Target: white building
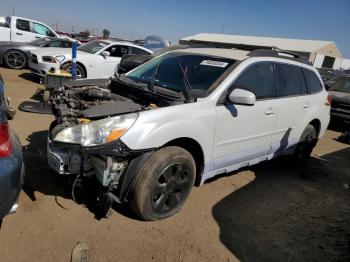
[[320, 53]]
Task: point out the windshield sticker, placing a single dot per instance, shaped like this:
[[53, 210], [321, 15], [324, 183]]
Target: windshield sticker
[[214, 63]]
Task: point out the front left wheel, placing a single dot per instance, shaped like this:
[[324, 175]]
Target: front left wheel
[[163, 183], [79, 69]]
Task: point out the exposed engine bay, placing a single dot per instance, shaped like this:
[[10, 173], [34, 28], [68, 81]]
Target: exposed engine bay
[[83, 106]]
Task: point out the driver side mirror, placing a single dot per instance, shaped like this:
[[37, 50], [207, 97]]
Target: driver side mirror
[[105, 54], [242, 97]]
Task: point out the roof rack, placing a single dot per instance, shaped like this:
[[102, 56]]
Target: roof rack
[[276, 52]]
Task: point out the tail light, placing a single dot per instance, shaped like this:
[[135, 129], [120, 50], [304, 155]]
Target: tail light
[[5, 140], [329, 100]]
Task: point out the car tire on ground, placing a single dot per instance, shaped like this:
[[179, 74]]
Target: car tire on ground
[[15, 59], [163, 183], [306, 144], [80, 70]]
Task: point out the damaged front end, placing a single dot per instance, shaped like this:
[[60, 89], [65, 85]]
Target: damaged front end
[[84, 140]]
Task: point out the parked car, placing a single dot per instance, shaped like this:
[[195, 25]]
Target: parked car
[[19, 29], [340, 92], [131, 61], [186, 116], [329, 73], [332, 80], [11, 160], [16, 55], [96, 59]]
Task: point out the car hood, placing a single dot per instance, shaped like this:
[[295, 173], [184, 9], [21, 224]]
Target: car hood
[[340, 97], [8, 43], [56, 51]]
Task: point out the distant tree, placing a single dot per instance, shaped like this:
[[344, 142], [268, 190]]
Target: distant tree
[[85, 33], [106, 33]]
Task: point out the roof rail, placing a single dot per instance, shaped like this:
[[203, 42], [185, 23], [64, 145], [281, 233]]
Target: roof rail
[[276, 52]]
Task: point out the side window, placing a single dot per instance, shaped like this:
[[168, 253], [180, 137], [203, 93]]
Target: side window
[[22, 25], [312, 82], [42, 30], [118, 50], [66, 44], [138, 51], [290, 81], [259, 79], [54, 44]]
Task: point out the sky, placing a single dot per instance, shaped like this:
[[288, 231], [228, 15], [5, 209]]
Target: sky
[[133, 19]]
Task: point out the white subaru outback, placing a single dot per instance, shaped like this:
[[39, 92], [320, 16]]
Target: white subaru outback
[[182, 118]]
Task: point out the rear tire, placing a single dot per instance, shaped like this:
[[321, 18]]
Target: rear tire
[[163, 183], [306, 144], [15, 59]]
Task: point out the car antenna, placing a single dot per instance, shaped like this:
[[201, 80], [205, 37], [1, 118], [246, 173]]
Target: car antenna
[[187, 89]]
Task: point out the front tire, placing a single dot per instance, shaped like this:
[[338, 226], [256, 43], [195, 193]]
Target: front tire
[[80, 70], [163, 183], [15, 59]]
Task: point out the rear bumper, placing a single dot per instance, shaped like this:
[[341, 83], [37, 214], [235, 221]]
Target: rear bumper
[[11, 179]]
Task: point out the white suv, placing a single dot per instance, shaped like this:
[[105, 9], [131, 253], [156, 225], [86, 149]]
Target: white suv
[[182, 118]]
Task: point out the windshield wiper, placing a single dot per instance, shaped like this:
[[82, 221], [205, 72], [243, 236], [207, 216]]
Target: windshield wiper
[[150, 85], [187, 90]]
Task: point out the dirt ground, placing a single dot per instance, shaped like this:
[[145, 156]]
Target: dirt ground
[[271, 212]]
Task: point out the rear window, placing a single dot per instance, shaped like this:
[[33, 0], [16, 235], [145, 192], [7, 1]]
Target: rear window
[[313, 83], [138, 51], [22, 25], [342, 85], [290, 81]]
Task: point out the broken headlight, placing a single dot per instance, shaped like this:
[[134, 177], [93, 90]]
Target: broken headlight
[[97, 132]]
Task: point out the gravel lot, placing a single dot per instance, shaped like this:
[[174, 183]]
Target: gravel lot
[[271, 212]]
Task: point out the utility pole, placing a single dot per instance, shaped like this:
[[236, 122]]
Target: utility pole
[[223, 28], [56, 26], [13, 9]]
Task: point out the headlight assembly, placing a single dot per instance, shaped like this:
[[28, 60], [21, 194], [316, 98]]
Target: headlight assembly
[[49, 59], [97, 132]]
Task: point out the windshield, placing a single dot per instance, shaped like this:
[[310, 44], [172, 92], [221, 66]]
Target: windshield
[[342, 85], [93, 47], [39, 42], [201, 72]]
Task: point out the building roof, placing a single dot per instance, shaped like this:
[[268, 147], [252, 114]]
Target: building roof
[[218, 52], [299, 45]]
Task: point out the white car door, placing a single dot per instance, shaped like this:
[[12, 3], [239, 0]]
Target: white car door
[[110, 62], [243, 133], [21, 31], [293, 104]]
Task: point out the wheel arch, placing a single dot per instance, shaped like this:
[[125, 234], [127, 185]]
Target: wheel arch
[[195, 149], [316, 123], [78, 63]]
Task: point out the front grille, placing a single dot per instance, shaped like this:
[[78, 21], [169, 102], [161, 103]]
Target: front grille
[[340, 108], [34, 59]]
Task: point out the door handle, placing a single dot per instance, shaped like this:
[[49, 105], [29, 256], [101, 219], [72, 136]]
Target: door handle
[[37, 37], [269, 111], [19, 34], [306, 105]]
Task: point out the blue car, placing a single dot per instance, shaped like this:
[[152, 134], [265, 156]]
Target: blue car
[[11, 160]]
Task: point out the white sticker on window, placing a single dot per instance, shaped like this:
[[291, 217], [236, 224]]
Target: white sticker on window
[[214, 63]]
